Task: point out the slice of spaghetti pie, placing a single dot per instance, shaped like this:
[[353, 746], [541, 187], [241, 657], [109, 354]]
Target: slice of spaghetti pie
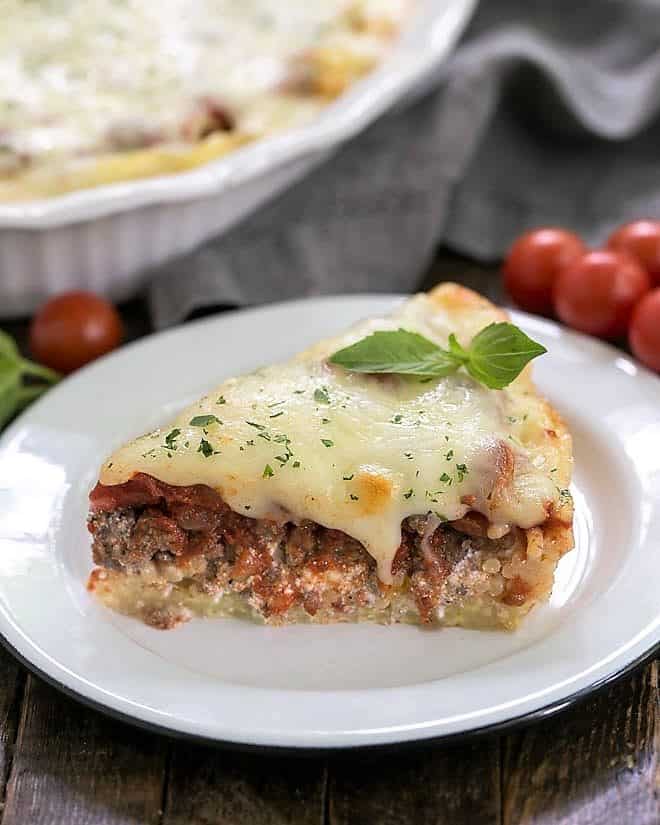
[[348, 484]]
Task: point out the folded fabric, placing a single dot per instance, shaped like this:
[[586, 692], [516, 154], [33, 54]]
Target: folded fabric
[[546, 113]]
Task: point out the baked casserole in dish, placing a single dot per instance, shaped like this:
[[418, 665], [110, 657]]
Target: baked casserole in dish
[[116, 90]]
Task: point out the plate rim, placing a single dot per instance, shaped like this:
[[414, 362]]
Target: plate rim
[[408, 736], [493, 729]]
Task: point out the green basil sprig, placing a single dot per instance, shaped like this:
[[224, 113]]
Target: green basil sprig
[[495, 357], [14, 392]]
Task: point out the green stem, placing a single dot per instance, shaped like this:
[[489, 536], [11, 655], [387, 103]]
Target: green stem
[[39, 371], [459, 352]]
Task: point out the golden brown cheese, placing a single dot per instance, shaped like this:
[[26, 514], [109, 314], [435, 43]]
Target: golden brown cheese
[[359, 453]]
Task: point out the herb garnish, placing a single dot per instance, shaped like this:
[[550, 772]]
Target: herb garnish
[[321, 395], [296, 464], [204, 420], [408, 493], [495, 356], [221, 400], [461, 472], [277, 414], [354, 498], [255, 425], [171, 438], [349, 478], [327, 442], [445, 478], [205, 448], [268, 472], [14, 393], [449, 455]]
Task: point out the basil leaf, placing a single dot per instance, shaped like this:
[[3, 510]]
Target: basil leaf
[[14, 395], [8, 347], [398, 352], [499, 353], [26, 395], [10, 383], [495, 357]]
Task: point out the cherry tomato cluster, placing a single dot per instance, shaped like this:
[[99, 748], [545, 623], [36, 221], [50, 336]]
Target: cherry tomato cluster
[[610, 292]]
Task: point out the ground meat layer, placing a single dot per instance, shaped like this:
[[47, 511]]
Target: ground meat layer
[[194, 543]]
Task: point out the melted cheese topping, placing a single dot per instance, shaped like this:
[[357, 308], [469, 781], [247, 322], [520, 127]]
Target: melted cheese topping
[[358, 453], [99, 75]]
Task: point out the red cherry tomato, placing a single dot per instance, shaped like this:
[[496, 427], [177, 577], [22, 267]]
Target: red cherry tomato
[[645, 330], [533, 263], [642, 240], [73, 329], [598, 291]]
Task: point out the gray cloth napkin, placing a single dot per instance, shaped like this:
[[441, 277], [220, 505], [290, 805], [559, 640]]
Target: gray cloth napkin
[[547, 113]]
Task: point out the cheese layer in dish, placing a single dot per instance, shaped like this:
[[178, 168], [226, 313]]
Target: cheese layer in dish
[[100, 91], [305, 492]]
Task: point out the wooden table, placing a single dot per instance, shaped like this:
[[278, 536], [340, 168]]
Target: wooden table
[[595, 763]]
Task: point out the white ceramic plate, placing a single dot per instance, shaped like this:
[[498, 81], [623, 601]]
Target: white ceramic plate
[[333, 686]]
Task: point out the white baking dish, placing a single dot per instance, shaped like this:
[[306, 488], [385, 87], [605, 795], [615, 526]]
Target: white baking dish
[[106, 238]]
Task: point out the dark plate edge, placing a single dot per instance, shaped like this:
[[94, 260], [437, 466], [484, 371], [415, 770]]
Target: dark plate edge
[[508, 725]]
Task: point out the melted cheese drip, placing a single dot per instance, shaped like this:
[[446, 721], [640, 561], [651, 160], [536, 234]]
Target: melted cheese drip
[[382, 449], [74, 73]]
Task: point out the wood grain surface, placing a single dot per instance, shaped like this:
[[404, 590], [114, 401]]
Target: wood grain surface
[[593, 763]]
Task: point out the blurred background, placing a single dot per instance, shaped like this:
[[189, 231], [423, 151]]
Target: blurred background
[[545, 114], [476, 123]]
